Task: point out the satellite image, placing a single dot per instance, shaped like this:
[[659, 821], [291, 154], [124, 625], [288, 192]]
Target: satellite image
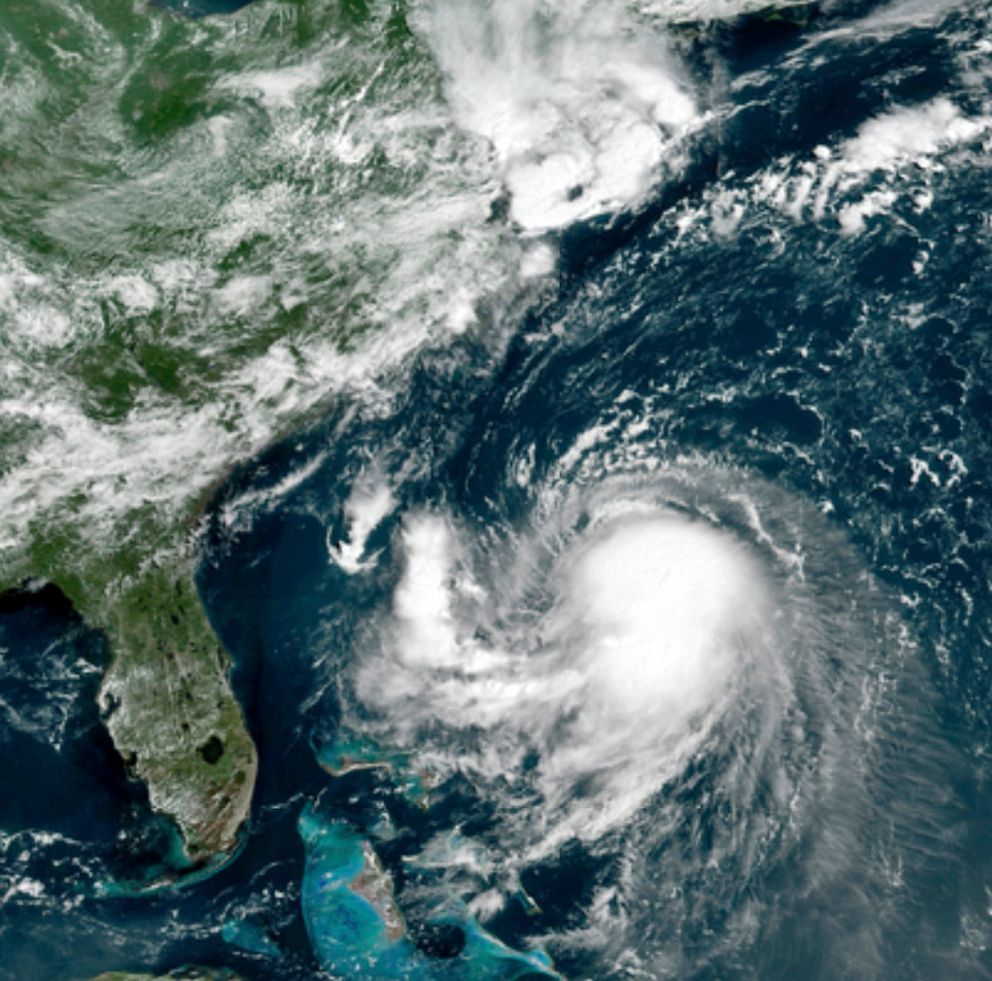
[[495, 489]]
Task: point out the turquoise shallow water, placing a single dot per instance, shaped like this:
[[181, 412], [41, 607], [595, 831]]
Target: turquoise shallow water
[[641, 528]]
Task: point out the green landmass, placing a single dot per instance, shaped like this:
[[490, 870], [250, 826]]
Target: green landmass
[[170, 677], [166, 697]]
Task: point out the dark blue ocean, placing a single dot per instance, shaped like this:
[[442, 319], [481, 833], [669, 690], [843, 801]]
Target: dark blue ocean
[[814, 385]]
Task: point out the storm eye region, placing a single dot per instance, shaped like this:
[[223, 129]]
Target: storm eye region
[[658, 610]]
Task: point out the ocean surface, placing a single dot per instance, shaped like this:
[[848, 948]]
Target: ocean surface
[[596, 406]]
